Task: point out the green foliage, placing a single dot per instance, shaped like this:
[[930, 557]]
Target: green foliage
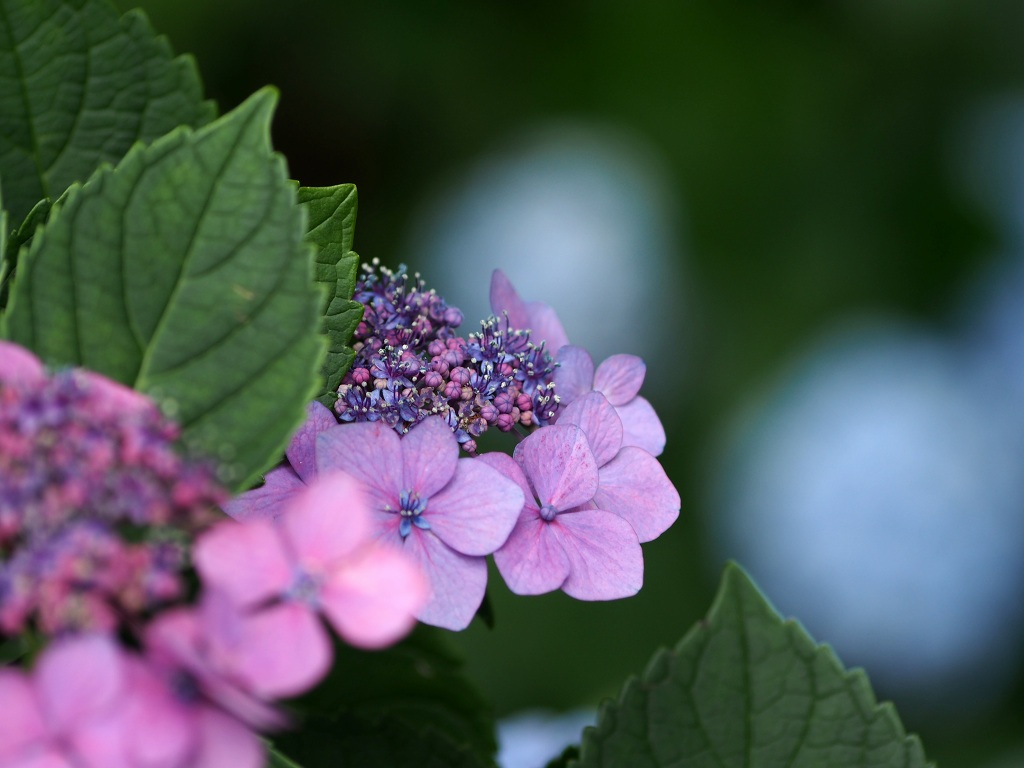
[[78, 87], [332, 223], [388, 705], [745, 688], [19, 238], [183, 274]]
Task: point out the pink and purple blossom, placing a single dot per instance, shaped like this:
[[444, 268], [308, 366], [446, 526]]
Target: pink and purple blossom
[[561, 540], [445, 512]]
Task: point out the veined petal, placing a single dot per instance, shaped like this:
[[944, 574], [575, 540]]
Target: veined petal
[[372, 601], [620, 377], [510, 468], [597, 418], [430, 454], [605, 559], [476, 511], [634, 486], [533, 561], [78, 678], [19, 366], [327, 522], [22, 723], [544, 326], [560, 465], [301, 451], [269, 500], [369, 451], [457, 581], [641, 426], [574, 376], [505, 300], [246, 561]]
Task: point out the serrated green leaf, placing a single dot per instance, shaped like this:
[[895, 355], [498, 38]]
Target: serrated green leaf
[[332, 223], [418, 684], [19, 238], [351, 740], [78, 86], [745, 688], [183, 273]]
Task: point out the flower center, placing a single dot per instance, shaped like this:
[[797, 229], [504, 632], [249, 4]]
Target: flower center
[[547, 513], [304, 589], [411, 507]]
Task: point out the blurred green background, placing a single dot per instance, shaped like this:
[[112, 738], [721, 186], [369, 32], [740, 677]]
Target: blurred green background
[[808, 144]]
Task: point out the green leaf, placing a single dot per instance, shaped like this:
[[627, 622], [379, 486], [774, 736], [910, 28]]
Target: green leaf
[[183, 273], [19, 238], [332, 224], [78, 87], [276, 760], [745, 688], [417, 684]]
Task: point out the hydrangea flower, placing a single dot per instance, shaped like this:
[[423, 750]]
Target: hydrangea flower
[[632, 483], [446, 513], [316, 557], [561, 541], [83, 461]]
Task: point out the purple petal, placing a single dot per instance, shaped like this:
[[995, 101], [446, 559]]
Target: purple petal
[[457, 581], [157, 729], [595, 416], [302, 448], [476, 511], [560, 466], [544, 326], [620, 377], [532, 561], [269, 500], [283, 651], [430, 453], [223, 741], [78, 678], [19, 366], [505, 300], [246, 561], [574, 376], [641, 426], [327, 522], [373, 601], [605, 559], [635, 487], [22, 723], [508, 467], [370, 452]]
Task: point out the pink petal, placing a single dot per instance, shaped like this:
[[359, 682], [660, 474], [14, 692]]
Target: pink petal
[[457, 581], [532, 561], [51, 758], [595, 416], [223, 741], [560, 466], [429, 456], [370, 452], [114, 397], [544, 326], [283, 651], [605, 559], [373, 601], [505, 300], [18, 366], [269, 500], [641, 426], [574, 376], [78, 678], [22, 722], [301, 451], [247, 561], [476, 511], [157, 729], [620, 377], [326, 522], [510, 468], [635, 487]]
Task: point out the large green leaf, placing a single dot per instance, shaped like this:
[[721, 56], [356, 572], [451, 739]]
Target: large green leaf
[[745, 688], [183, 273], [416, 686], [332, 223], [21, 236], [78, 86]]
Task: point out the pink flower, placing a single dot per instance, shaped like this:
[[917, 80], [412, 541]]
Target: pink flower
[[619, 379], [64, 713], [632, 483], [560, 540], [445, 512], [317, 556], [535, 316]]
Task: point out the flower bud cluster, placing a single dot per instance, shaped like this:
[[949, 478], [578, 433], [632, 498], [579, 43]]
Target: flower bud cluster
[[95, 503], [410, 364]]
